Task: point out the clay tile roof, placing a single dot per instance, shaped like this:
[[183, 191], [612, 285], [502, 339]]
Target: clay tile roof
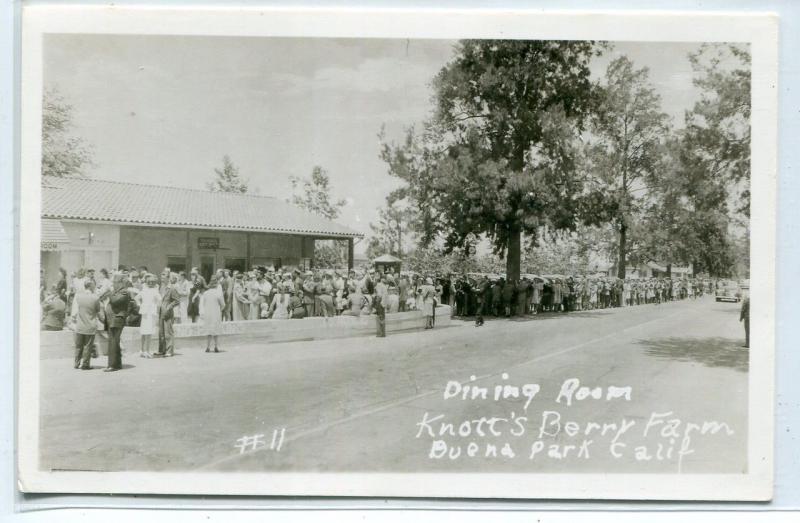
[[122, 202]]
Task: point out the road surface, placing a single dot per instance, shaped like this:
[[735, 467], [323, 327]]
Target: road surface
[[370, 404]]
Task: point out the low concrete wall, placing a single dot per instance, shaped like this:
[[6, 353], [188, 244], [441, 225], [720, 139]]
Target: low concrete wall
[[54, 344]]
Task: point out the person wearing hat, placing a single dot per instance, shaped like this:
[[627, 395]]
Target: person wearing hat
[[297, 309]]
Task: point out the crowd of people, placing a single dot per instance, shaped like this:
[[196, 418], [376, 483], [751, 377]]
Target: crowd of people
[[485, 295], [83, 302], [89, 302]]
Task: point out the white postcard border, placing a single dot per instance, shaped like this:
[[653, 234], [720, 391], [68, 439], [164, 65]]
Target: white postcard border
[[760, 30]]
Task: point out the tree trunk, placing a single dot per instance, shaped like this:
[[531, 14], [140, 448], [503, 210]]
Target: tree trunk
[[623, 230], [669, 270], [514, 255]]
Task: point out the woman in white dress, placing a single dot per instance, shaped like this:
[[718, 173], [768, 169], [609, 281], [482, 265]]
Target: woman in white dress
[[280, 303], [211, 304], [182, 287], [148, 300]]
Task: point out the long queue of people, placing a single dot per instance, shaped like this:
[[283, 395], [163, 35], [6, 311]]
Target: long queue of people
[[484, 295], [83, 302]]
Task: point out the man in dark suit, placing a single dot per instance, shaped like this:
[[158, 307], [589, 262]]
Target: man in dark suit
[[116, 316], [166, 318], [744, 316]]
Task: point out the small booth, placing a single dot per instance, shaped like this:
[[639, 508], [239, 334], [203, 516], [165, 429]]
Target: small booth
[[383, 263]]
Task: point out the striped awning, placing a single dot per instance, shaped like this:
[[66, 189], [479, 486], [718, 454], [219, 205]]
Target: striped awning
[[53, 235]]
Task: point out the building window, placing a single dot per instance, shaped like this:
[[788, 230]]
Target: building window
[[176, 263], [263, 262]]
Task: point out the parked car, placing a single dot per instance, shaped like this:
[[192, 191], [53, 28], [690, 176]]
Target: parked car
[[728, 291]]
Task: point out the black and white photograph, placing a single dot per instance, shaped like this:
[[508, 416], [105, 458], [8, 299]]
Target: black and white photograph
[[466, 263]]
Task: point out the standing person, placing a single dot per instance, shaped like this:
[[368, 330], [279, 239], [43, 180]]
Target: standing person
[[297, 310], [170, 302], [325, 296], [251, 290], [428, 292], [182, 288], [522, 297], [280, 303], [227, 292], [61, 285], [402, 291], [355, 301], [482, 293], [309, 291], [119, 303], [148, 300], [87, 312], [241, 303], [53, 310], [393, 297], [211, 305], [380, 316], [264, 290], [197, 285], [744, 316]]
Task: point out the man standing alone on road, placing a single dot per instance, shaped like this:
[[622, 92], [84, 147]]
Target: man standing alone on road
[[87, 311], [745, 317]]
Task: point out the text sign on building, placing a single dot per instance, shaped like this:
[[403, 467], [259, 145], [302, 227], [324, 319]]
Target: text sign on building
[[49, 245], [208, 243]]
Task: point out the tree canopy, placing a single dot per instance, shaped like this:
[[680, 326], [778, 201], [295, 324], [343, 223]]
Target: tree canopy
[[497, 156], [228, 178], [315, 194], [62, 154]]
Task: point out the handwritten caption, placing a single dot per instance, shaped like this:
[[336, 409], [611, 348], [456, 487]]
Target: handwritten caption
[[252, 443], [550, 433]]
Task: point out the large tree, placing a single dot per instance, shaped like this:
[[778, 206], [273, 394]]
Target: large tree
[[62, 153], [627, 138], [719, 124], [496, 159], [227, 178], [699, 212]]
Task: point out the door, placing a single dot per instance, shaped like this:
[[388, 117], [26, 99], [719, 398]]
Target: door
[[207, 267]]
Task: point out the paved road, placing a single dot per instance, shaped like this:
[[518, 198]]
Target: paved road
[[371, 404]]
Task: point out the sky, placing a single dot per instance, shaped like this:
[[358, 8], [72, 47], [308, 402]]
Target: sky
[[165, 109]]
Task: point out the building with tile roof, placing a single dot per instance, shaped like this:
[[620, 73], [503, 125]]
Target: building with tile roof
[[101, 223]]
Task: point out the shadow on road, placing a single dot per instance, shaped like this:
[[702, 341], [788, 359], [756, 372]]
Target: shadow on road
[[711, 352], [540, 317]]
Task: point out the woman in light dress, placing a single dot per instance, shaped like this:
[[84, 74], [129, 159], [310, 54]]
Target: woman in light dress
[[253, 296], [241, 303], [182, 287], [148, 300], [211, 304], [280, 303], [428, 293]]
